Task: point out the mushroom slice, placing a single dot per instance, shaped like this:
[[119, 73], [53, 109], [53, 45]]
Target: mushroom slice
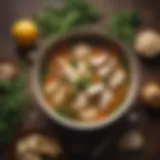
[[80, 102], [107, 68], [80, 51], [88, 114], [106, 98], [98, 60], [104, 71], [95, 89], [117, 78]]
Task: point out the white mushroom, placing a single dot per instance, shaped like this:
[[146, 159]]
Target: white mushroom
[[81, 51], [31, 147], [106, 98], [88, 114], [133, 140], [107, 68], [148, 43], [104, 71], [99, 60], [80, 102], [117, 78], [95, 89]]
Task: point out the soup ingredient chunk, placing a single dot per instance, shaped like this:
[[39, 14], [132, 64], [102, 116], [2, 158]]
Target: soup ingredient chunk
[[80, 102], [88, 114], [107, 68], [81, 51], [117, 78], [106, 98], [98, 60], [60, 96], [82, 83], [51, 87], [95, 89]]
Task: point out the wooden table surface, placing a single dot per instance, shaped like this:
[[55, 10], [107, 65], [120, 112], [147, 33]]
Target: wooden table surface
[[14, 9]]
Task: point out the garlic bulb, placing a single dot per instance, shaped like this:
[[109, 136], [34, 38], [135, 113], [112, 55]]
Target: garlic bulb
[[7, 70], [33, 146], [147, 43], [151, 93], [132, 140]]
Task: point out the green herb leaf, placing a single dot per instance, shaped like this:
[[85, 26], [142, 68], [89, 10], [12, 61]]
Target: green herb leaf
[[123, 26], [66, 111], [74, 14], [82, 83], [11, 101]]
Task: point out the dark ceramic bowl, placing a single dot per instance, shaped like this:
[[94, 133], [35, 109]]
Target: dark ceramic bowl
[[90, 36]]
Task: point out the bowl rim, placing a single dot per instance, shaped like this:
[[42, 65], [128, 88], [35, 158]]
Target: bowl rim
[[117, 114]]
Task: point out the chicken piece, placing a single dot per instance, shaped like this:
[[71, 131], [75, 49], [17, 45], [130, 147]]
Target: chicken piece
[[51, 87], [80, 102], [60, 96], [106, 98], [88, 114], [68, 71], [107, 68], [81, 51], [104, 71], [95, 89], [117, 78], [98, 60], [82, 68]]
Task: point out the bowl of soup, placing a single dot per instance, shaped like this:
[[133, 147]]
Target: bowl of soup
[[84, 80]]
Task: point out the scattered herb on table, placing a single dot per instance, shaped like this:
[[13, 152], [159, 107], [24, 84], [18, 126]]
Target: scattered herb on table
[[11, 101], [74, 13], [123, 24]]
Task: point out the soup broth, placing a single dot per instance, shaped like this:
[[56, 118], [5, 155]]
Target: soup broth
[[85, 82]]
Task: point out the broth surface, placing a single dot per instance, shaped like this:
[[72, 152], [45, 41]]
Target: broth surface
[[85, 82]]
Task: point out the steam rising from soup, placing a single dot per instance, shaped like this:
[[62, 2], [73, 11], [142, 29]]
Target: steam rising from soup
[[85, 82]]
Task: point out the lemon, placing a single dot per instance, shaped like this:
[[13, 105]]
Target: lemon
[[25, 32]]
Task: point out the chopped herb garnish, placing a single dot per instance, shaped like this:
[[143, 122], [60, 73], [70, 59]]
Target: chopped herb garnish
[[105, 80], [82, 83], [66, 112], [74, 63]]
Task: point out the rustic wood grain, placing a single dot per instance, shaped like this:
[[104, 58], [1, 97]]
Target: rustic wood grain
[[11, 10]]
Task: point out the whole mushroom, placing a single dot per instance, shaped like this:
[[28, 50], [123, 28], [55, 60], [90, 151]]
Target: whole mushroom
[[8, 70], [151, 94], [147, 43]]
